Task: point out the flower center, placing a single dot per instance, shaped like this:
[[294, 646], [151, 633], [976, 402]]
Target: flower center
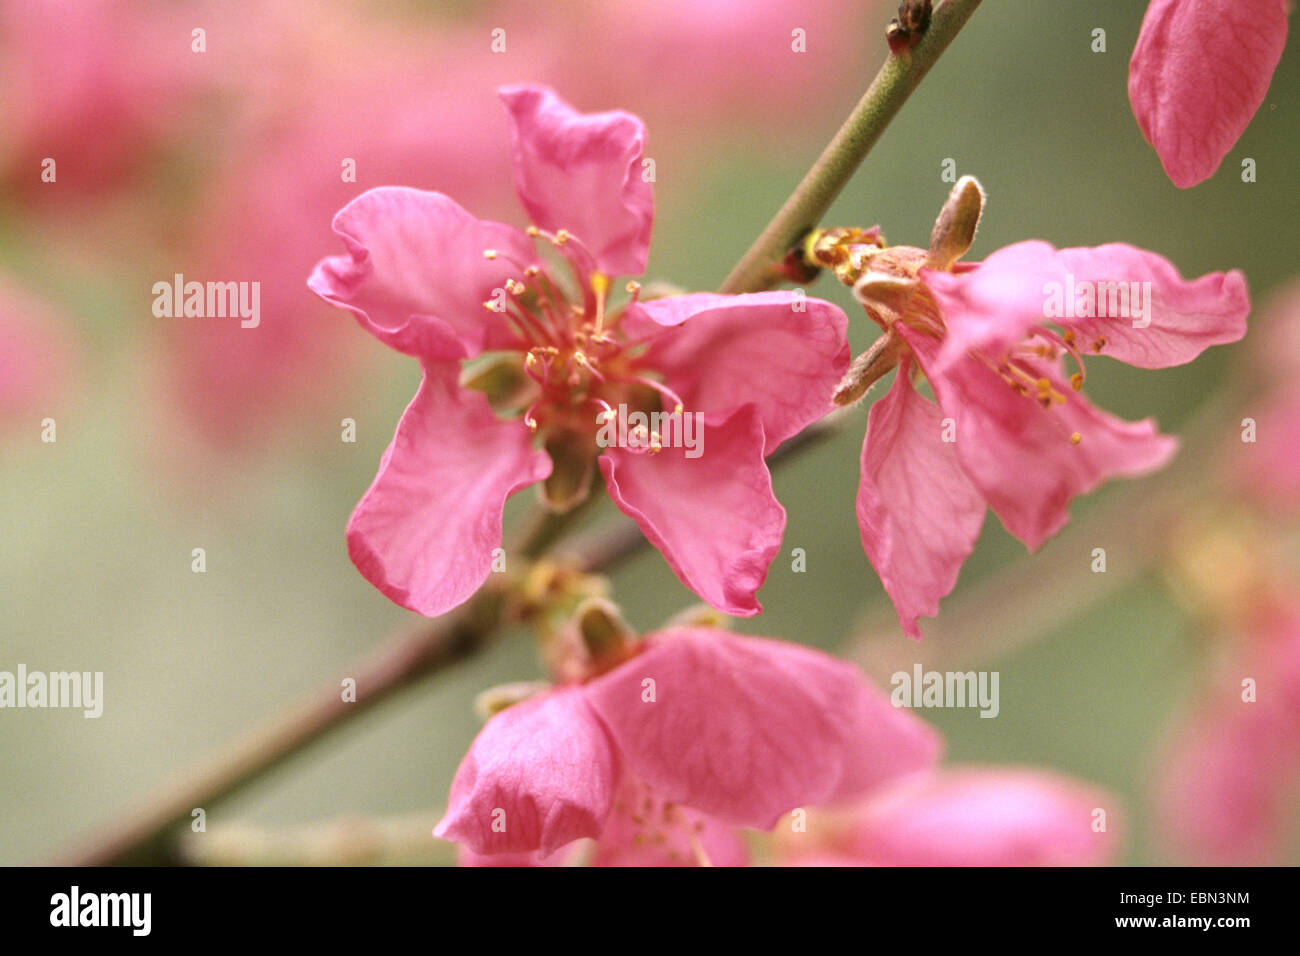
[[579, 365]]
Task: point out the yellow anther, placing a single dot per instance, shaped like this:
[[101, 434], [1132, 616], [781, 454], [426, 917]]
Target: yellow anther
[[1100, 344], [1044, 387], [490, 305], [532, 272], [633, 287], [678, 409], [561, 237], [1068, 335], [533, 231], [1076, 381], [489, 253], [1075, 438]]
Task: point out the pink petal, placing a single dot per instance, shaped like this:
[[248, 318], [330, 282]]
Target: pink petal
[[746, 729], [1200, 70], [644, 830], [993, 307], [918, 512], [1019, 455], [582, 172], [714, 516], [991, 816], [543, 771], [415, 275], [783, 352], [424, 532]]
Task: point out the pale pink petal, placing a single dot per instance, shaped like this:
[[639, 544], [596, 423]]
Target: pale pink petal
[[783, 352], [1229, 780], [746, 729], [539, 775], [918, 512], [582, 172], [415, 275], [992, 816], [644, 830], [1200, 70], [1020, 455], [713, 516], [1267, 470], [424, 532], [1147, 314]]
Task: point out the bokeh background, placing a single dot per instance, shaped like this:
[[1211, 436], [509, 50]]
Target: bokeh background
[[175, 434]]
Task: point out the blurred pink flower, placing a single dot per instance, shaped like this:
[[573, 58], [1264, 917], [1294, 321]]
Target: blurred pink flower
[[1227, 788], [752, 369], [966, 816], [1006, 431], [1267, 470], [1200, 70], [91, 84], [700, 732]]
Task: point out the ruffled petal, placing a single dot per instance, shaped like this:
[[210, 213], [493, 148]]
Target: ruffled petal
[[540, 774], [582, 172], [424, 532], [783, 352], [713, 517], [1132, 304], [415, 275], [746, 729], [1200, 70], [918, 512]]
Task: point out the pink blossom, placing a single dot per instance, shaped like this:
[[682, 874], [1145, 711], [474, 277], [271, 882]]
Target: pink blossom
[[1200, 70], [1008, 429], [91, 84], [1229, 778], [418, 273], [660, 757], [966, 816]]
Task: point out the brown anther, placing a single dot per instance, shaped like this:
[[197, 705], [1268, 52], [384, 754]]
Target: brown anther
[[1100, 344]]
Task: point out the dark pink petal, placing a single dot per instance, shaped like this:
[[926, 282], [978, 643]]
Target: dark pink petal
[[424, 532], [991, 816], [415, 275], [918, 512], [1200, 70], [1019, 454], [781, 351], [540, 774], [714, 516], [746, 729], [582, 172], [993, 307], [644, 830]]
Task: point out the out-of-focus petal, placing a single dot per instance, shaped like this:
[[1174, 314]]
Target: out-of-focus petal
[[539, 775], [746, 729]]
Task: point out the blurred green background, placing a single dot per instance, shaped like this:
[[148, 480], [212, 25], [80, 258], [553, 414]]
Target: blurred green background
[[98, 529]]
